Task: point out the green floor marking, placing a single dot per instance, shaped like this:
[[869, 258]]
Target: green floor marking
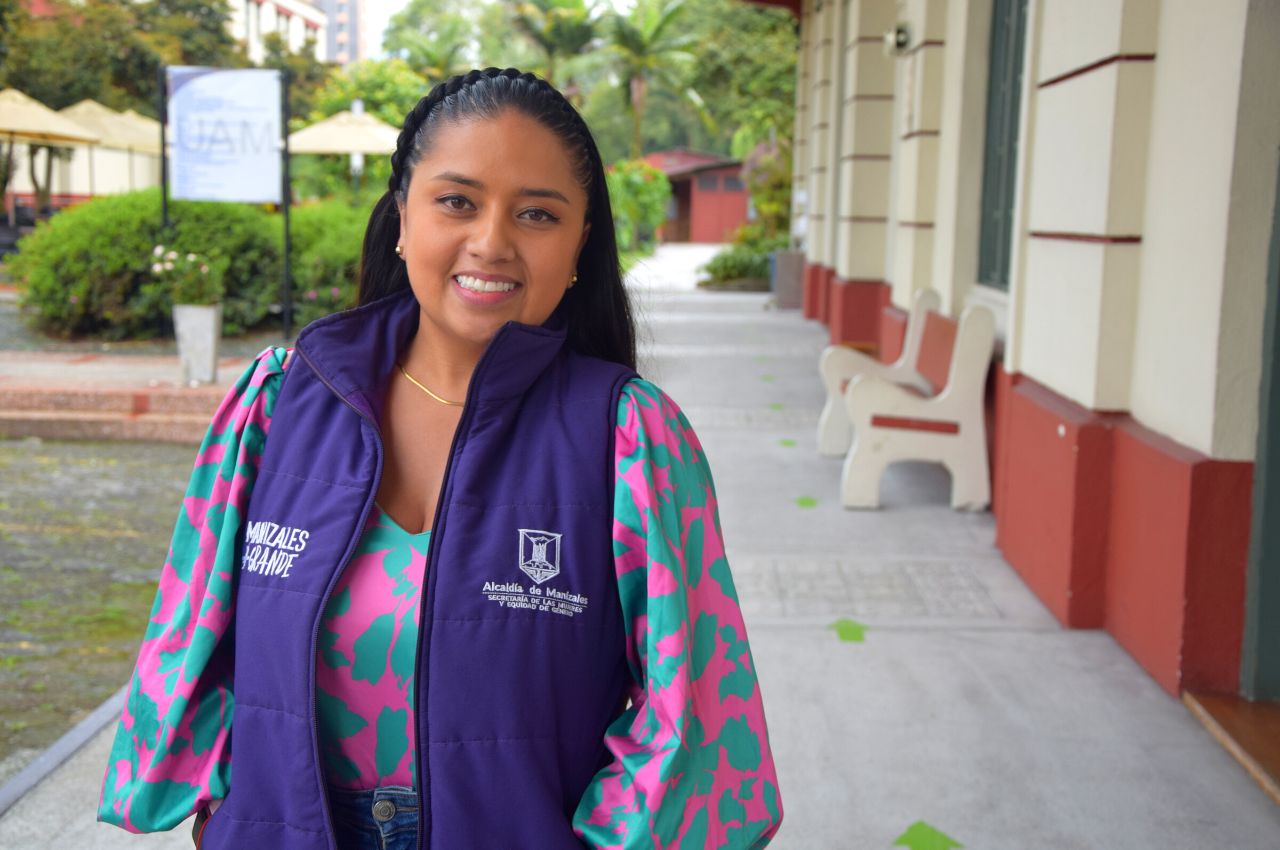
[[850, 632], [807, 502], [921, 836], [789, 443], [768, 379], [777, 405]]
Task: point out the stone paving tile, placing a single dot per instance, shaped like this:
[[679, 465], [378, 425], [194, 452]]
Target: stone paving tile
[[965, 706]]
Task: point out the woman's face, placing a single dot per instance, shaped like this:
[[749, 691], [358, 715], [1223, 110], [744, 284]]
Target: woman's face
[[491, 227]]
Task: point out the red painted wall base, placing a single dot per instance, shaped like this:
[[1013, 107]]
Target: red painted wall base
[[809, 297], [854, 311], [825, 282], [1114, 526]]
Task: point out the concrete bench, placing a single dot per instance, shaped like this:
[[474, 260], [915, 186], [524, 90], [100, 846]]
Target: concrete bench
[[840, 364], [892, 422]]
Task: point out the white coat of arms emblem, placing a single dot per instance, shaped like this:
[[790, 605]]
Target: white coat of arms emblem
[[539, 554]]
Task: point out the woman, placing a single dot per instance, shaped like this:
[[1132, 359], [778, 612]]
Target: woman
[[480, 595]]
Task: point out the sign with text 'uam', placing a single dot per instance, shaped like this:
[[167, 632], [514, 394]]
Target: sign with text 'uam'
[[225, 134]]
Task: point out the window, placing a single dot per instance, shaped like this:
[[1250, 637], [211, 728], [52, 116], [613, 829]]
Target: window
[[1000, 159], [732, 184], [708, 182]]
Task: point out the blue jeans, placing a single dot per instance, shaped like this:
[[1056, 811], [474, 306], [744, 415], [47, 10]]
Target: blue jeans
[[380, 819]]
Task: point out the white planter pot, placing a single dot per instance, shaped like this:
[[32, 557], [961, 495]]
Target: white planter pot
[[198, 328]]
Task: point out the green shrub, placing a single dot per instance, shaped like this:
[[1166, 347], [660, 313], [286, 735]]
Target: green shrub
[[748, 254], [638, 195], [767, 173], [328, 176], [188, 278], [250, 238], [325, 242], [737, 261], [87, 270], [754, 236]]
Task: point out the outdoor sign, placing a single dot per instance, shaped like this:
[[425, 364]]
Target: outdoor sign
[[225, 134]]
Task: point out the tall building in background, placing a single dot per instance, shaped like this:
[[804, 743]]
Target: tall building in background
[[297, 21], [346, 26]]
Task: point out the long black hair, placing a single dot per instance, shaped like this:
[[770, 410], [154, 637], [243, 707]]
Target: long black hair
[[597, 309]]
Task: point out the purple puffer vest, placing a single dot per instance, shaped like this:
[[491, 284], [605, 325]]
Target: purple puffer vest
[[521, 656]]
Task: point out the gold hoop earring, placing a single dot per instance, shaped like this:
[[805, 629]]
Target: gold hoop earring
[[400, 251]]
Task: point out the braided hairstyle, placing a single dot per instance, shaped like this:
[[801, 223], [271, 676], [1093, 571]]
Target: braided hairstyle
[[597, 310]]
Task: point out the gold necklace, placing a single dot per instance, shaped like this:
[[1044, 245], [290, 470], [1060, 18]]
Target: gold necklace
[[427, 391]]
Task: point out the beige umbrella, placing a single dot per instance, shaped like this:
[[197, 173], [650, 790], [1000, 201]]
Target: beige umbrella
[[147, 132], [118, 130], [28, 120], [24, 119], [345, 132], [112, 132], [146, 135]]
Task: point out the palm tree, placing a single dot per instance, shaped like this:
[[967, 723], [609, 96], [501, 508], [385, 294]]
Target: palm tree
[[433, 41], [648, 50], [560, 28]]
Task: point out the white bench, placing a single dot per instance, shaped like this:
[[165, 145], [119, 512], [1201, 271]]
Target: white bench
[[891, 423], [840, 364]]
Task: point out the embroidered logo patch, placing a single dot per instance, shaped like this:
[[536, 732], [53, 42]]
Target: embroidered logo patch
[[539, 554], [271, 549], [540, 561]]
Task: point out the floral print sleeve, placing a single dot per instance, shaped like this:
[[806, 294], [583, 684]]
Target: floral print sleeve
[[691, 763], [171, 752]]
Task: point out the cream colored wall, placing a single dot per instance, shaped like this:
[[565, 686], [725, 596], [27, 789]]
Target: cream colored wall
[[801, 154], [866, 141], [835, 93], [110, 172], [1084, 176], [917, 124], [958, 204], [821, 169], [1209, 202], [113, 171]]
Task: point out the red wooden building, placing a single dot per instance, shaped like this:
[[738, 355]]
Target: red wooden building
[[709, 197]]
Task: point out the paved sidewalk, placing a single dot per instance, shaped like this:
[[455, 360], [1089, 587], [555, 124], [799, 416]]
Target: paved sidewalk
[[962, 708]]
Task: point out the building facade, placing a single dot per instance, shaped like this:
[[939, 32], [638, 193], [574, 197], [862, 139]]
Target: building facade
[[298, 22], [709, 199], [346, 30], [1101, 174]]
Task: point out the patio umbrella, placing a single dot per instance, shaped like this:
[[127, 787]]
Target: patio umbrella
[[126, 131], [99, 119], [28, 120], [147, 132], [345, 132]]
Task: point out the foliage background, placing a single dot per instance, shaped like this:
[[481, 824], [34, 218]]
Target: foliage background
[[716, 76]]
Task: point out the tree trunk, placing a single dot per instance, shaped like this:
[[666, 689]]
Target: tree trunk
[[637, 113], [45, 202], [42, 192]]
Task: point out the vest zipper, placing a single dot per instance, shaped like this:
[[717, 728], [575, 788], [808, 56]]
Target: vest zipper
[[420, 680], [426, 603], [351, 544]]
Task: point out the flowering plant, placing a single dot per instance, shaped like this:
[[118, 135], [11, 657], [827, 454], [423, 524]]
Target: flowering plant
[[189, 278]]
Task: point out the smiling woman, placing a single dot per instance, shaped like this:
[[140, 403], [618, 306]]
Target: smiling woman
[[479, 252], [472, 592]]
